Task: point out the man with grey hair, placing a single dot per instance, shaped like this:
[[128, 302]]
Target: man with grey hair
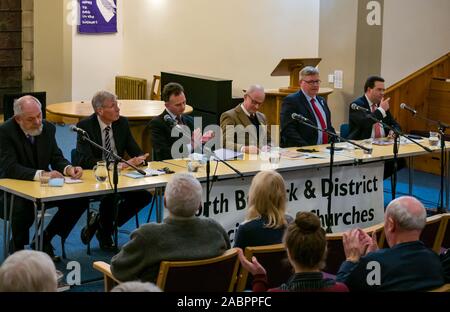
[[406, 266], [28, 149], [244, 127], [307, 103], [28, 271], [136, 286], [107, 128], [181, 236]]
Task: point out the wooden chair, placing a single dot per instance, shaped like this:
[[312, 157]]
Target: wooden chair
[[443, 288], [273, 258], [218, 274], [155, 90], [335, 248], [443, 239]]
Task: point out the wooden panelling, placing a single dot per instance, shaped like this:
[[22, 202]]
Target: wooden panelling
[[430, 97]]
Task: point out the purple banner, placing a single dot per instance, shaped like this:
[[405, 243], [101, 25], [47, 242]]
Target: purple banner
[[98, 16]]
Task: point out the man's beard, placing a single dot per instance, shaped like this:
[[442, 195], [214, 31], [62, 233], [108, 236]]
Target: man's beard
[[33, 132]]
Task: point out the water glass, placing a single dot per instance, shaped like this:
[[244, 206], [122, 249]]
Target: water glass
[[275, 155], [100, 171], [367, 144], [44, 178], [433, 140]]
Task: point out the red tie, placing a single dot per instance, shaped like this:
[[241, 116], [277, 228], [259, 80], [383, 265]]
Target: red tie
[[377, 126], [321, 120]]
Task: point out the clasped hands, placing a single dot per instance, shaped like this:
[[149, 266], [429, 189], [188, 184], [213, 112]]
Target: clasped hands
[[358, 243]]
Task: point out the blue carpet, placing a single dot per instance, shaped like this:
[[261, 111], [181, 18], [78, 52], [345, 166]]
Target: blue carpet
[[426, 188]]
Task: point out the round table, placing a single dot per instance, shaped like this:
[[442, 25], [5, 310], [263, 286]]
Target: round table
[[139, 112]]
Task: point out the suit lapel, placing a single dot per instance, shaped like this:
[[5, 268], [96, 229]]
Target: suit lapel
[[28, 149], [304, 101]]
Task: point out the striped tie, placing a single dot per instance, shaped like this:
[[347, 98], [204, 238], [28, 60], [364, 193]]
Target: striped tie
[[107, 141]]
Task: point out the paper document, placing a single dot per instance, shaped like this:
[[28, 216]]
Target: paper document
[[226, 154], [69, 180], [148, 173]]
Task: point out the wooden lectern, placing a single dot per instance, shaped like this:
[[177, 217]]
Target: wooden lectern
[[291, 67]]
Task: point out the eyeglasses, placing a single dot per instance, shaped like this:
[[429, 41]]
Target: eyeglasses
[[254, 102], [311, 82], [114, 105]]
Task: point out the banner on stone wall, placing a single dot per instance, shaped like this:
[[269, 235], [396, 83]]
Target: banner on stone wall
[[357, 197], [98, 16]]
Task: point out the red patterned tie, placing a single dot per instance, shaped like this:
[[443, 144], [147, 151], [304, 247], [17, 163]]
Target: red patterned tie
[[321, 120], [376, 126]]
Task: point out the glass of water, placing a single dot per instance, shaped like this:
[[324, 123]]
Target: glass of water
[[100, 171], [275, 155]]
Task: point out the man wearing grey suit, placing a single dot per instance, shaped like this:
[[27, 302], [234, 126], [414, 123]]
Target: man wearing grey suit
[[244, 127]]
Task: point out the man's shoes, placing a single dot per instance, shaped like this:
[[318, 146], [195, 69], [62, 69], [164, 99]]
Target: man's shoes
[[48, 249], [105, 241], [89, 230]]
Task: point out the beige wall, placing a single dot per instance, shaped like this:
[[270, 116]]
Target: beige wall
[[416, 32], [337, 48], [234, 39]]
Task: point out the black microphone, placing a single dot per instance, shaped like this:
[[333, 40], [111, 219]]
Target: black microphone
[[356, 107], [172, 122], [404, 106], [78, 130], [299, 117]]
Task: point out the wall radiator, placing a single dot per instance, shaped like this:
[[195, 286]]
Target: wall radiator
[[131, 88]]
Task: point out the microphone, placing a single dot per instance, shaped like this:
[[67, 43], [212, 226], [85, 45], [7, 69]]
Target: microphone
[[404, 106], [299, 117], [78, 130], [359, 108], [170, 121]]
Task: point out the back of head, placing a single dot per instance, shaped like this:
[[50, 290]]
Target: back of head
[[267, 198], [136, 286], [183, 195], [172, 88], [28, 271], [306, 241], [408, 213]]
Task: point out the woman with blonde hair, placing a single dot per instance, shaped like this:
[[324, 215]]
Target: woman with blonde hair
[[266, 218]]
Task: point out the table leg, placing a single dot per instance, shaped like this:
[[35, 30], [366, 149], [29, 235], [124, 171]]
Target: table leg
[[411, 175], [448, 182], [5, 224]]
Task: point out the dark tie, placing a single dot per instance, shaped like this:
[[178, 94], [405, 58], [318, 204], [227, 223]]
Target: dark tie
[[179, 120], [107, 141], [323, 124], [31, 139]]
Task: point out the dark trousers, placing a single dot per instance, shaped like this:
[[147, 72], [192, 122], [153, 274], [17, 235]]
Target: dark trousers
[[131, 203], [69, 211], [389, 167]]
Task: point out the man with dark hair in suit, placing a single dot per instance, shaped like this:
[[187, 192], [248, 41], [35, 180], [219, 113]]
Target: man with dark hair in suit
[[307, 103], [161, 129], [362, 127], [107, 128], [254, 134], [28, 149]]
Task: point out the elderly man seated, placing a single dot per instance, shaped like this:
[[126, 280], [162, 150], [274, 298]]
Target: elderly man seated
[[406, 266], [181, 236]]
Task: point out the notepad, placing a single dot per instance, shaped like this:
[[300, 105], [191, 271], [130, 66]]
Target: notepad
[[148, 173]]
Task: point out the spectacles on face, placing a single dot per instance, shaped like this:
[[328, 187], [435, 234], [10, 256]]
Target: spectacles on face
[[254, 102], [312, 82], [114, 105]]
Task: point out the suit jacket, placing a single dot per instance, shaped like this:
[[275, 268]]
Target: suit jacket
[[294, 133], [162, 140], [360, 126], [88, 155], [234, 140], [16, 152], [405, 267]]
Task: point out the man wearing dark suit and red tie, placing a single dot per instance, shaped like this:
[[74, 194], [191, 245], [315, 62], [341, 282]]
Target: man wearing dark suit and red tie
[[107, 128], [360, 126], [307, 103], [28, 149]]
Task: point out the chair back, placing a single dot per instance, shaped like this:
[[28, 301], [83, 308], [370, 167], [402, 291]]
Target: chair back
[[218, 274], [9, 98], [155, 90], [443, 288], [429, 235], [274, 259], [345, 130]]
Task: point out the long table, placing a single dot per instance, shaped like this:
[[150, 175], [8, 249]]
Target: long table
[[32, 190]]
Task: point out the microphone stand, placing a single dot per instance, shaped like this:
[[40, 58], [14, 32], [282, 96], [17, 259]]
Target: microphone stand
[[333, 137], [442, 127], [116, 159], [397, 135]]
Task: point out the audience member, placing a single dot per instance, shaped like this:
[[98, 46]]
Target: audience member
[[406, 266], [244, 127], [307, 103], [28, 149], [136, 286], [28, 271], [266, 221], [181, 236], [306, 247], [107, 128]]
